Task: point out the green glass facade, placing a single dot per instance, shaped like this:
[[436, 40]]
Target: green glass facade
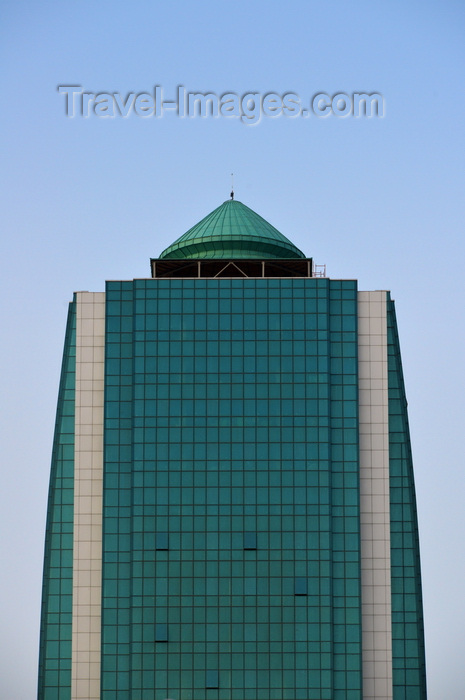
[[56, 614], [231, 418], [409, 677], [232, 474]]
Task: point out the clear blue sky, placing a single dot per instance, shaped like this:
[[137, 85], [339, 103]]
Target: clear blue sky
[[381, 200]]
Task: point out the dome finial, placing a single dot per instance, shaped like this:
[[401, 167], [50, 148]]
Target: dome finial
[[232, 186]]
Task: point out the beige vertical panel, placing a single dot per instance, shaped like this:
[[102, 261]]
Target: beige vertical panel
[[88, 482], [374, 497]]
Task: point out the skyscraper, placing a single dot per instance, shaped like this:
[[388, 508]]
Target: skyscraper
[[232, 508]]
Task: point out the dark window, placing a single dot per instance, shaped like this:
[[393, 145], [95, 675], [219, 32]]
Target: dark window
[[161, 540], [250, 540], [300, 586], [161, 632], [212, 679]]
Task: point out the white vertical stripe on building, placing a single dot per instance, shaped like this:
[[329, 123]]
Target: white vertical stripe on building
[[374, 497], [88, 491]]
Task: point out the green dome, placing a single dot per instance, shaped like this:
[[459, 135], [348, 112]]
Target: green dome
[[232, 231]]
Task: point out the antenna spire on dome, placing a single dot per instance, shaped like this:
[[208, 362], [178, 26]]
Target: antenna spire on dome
[[232, 186]]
